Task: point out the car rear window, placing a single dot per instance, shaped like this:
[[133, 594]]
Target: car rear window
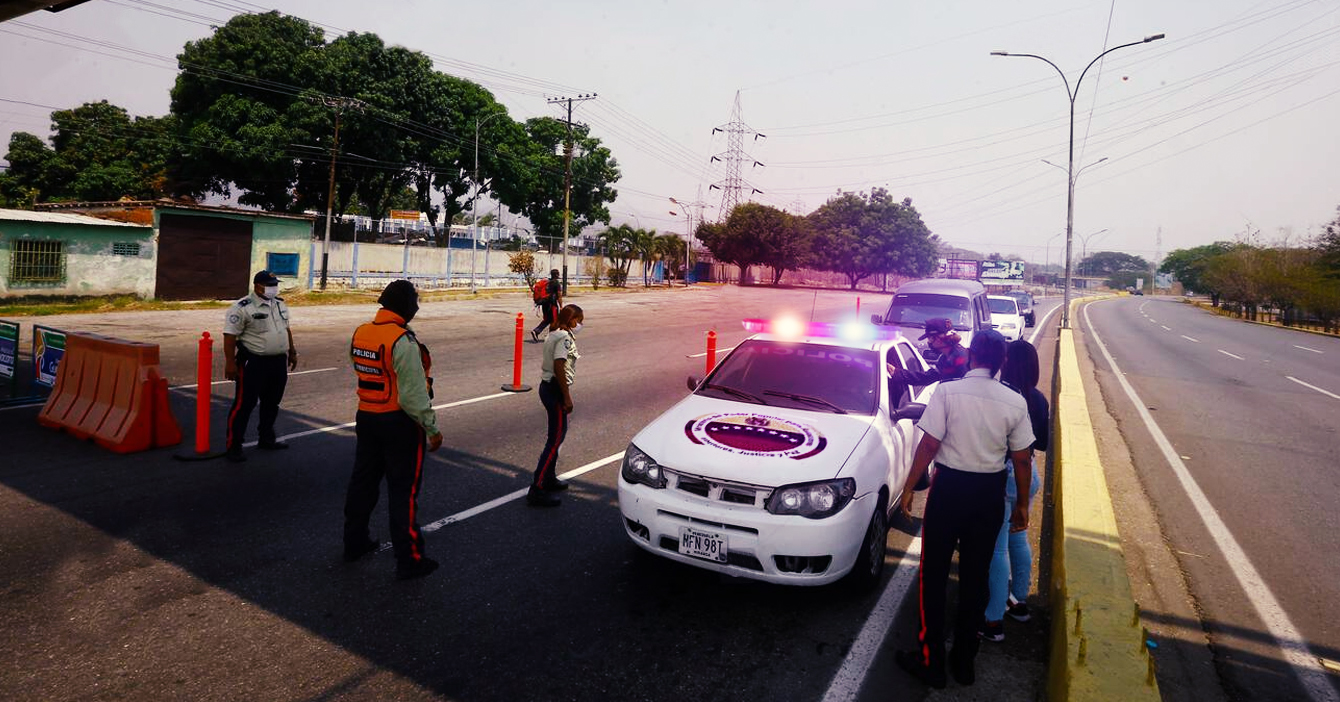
[[845, 377], [998, 306]]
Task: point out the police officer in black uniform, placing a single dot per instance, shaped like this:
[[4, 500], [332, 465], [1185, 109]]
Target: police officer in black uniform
[[258, 352]]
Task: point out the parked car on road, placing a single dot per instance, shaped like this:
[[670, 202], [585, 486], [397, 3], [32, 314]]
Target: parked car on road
[[1025, 300], [1005, 316], [785, 462]]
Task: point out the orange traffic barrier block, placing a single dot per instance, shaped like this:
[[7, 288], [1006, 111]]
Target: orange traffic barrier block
[[110, 390]]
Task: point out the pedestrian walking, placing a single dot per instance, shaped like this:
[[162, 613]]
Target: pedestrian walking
[[394, 422], [1011, 574], [558, 371], [969, 424], [258, 353], [952, 361], [549, 296]]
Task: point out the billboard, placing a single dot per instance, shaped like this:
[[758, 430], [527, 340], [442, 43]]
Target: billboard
[[1004, 271], [959, 268]]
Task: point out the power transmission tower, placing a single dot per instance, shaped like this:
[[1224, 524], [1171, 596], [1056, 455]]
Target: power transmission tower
[[567, 176], [734, 184]]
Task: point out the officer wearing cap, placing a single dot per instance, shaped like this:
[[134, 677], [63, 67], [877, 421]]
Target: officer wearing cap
[[258, 352], [968, 426], [953, 360], [394, 423]]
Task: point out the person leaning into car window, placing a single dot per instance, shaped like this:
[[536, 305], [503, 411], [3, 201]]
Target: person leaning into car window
[[969, 425], [953, 360]]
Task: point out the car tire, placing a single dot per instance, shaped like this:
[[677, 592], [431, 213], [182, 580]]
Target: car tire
[[869, 567]]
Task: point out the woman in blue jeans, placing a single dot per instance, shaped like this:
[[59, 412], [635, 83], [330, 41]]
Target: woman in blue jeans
[[1012, 565]]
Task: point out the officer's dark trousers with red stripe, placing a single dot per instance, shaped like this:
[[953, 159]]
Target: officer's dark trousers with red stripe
[[259, 378], [964, 511], [552, 399], [390, 446]]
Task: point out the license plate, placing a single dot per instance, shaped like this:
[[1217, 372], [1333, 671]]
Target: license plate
[[702, 544]]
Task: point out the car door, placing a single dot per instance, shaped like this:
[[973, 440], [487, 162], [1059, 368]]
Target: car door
[[904, 434]]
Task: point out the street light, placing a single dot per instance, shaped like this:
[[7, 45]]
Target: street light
[[474, 240], [1070, 184], [1047, 257], [688, 238], [1084, 251]]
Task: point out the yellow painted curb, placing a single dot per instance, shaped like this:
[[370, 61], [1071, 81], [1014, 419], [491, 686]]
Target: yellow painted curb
[[1097, 642]]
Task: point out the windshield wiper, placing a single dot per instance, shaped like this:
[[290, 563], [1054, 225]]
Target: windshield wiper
[[747, 397], [806, 398]]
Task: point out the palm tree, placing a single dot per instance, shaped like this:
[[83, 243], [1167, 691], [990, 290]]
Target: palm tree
[[670, 248]]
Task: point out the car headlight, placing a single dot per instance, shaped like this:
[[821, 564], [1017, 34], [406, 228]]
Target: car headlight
[[638, 467], [812, 500]]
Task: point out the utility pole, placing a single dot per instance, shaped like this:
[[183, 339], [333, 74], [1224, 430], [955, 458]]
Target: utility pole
[[734, 156], [339, 104], [567, 177]]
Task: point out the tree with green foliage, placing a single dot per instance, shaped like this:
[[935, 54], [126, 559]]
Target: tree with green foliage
[[98, 152], [775, 238], [732, 243], [1106, 263], [669, 248], [860, 235], [594, 171], [620, 244], [1188, 266], [1328, 248]]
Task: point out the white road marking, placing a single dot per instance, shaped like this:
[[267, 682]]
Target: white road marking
[[1314, 387], [700, 355], [516, 494], [849, 678], [1306, 348], [224, 382], [1184, 336], [1234, 355], [1166, 327], [1153, 321], [29, 404], [1305, 664], [347, 425]]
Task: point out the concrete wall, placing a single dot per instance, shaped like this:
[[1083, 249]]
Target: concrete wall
[[373, 265], [91, 267]]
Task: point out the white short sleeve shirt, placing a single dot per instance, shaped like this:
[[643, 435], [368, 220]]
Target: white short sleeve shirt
[[560, 344], [978, 421]]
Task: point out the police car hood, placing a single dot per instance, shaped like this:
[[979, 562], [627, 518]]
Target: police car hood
[[749, 443]]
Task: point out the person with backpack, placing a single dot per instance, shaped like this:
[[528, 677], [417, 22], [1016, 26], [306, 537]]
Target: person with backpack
[[548, 296]]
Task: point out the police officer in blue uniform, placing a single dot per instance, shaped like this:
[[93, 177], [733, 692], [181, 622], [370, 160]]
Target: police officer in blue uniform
[[258, 353]]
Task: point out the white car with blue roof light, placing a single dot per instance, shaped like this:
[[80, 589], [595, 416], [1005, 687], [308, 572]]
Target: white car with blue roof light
[[785, 462]]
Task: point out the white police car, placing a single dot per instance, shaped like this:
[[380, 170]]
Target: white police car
[[785, 462]]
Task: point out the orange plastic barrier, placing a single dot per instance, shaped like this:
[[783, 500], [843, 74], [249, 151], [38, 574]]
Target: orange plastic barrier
[[110, 390]]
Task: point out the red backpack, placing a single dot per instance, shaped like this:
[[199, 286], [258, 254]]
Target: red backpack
[[540, 291]]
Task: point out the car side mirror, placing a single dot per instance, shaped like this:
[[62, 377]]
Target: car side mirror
[[911, 410], [876, 319], [692, 381]]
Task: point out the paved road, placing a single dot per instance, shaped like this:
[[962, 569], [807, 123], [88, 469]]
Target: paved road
[[140, 577], [1246, 492]]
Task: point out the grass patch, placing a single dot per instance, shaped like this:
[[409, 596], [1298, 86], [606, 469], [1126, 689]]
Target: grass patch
[[42, 306]]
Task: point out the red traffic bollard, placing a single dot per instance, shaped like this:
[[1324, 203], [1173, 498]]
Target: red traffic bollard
[[711, 351], [516, 385], [858, 308], [204, 369]]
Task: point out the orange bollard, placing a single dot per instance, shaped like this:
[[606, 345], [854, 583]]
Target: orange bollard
[[858, 308], [711, 351], [516, 385], [203, 376]]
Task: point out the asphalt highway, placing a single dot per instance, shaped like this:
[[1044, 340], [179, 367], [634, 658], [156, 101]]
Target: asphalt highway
[[144, 577], [1234, 429]]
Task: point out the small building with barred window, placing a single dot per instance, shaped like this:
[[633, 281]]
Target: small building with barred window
[[65, 254]]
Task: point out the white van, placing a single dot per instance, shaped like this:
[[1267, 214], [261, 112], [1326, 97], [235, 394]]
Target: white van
[[962, 302]]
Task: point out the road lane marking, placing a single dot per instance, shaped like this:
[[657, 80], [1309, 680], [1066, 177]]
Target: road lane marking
[[1306, 348], [514, 495], [1305, 664], [868, 644], [1314, 387], [29, 404], [700, 355], [192, 386], [1184, 336], [1234, 355], [347, 425], [1166, 327]]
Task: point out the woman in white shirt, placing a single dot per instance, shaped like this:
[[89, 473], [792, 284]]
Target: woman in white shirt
[[558, 370]]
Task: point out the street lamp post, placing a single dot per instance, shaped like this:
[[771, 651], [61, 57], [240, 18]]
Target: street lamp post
[[688, 238], [1047, 257], [1084, 249], [1070, 171], [474, 239]]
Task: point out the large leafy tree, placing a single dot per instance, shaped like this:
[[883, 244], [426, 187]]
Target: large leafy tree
[[1188, 265], [1106, 263], [594, 172], [860, 235], [97, 152], [782, 240], [732, 243], [1328, 248]]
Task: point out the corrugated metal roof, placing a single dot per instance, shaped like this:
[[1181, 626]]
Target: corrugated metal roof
[[62, 218]]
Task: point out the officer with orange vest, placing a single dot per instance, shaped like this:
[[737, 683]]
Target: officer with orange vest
[[394, 423]]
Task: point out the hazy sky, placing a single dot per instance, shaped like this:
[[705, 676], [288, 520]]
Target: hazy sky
[[1228, 124]]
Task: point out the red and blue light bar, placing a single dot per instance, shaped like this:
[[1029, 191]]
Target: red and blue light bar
[[792, 328]]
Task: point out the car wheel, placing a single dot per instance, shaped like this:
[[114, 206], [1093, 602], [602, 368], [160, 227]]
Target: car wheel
[[869, 567]]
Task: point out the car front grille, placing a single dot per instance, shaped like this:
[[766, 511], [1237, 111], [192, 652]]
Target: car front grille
[[718, 491]]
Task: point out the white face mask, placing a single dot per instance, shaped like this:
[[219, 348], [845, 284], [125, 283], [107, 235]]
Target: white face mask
[[271, 291], [577, 328]]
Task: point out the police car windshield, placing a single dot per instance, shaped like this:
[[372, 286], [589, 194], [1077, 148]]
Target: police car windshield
[[913, 309], [797, 374]]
